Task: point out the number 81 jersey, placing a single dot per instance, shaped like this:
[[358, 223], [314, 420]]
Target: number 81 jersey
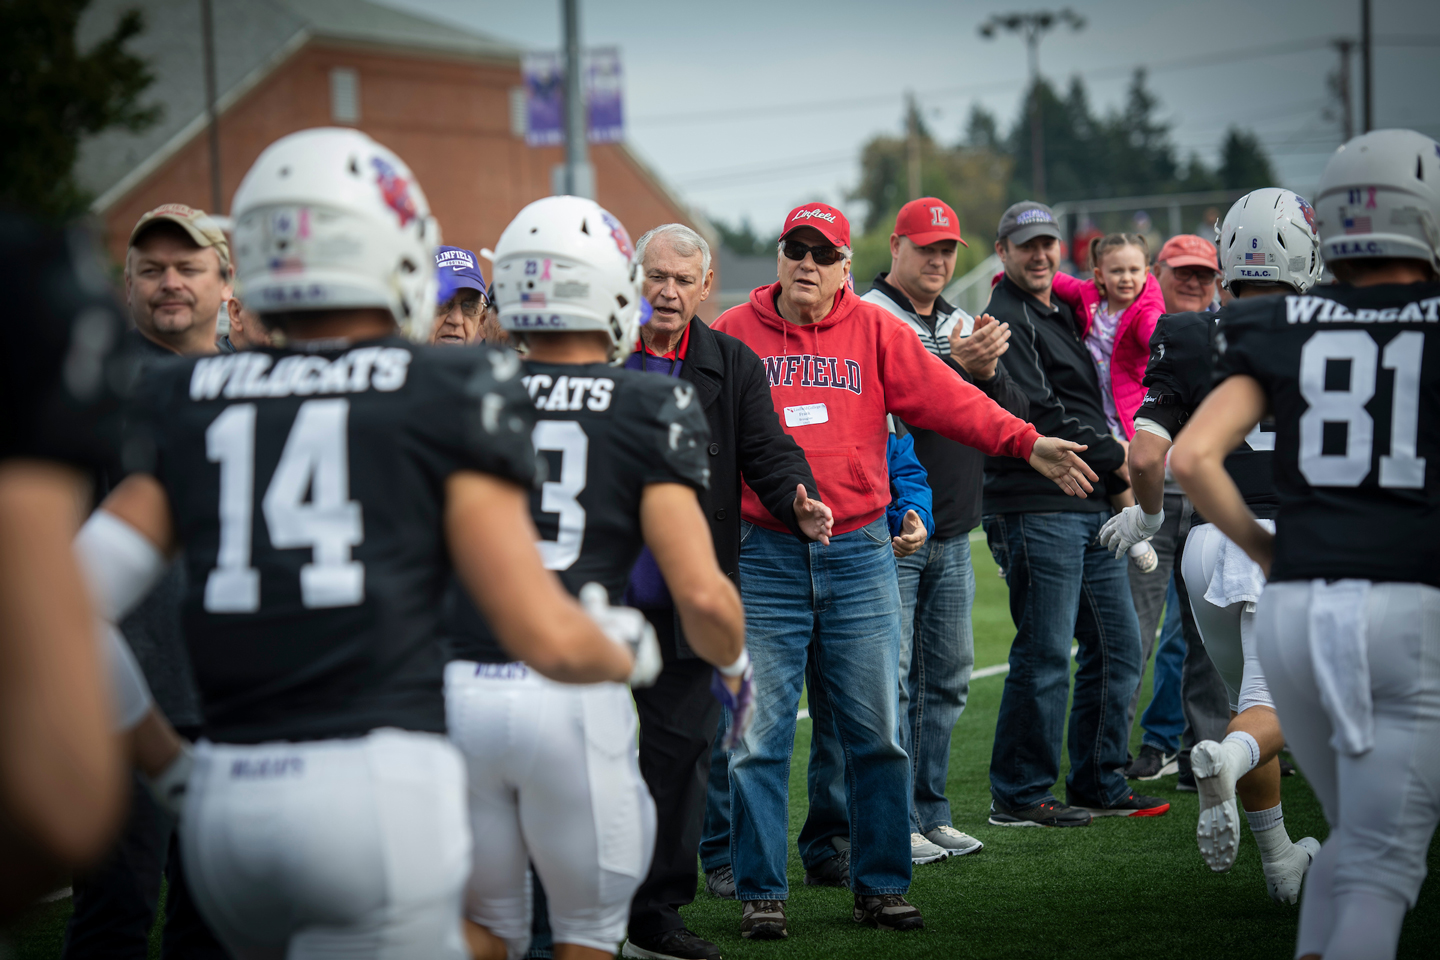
[[1353, 379], [307, 490]]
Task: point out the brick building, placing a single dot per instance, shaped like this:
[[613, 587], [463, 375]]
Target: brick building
[[447, 100]]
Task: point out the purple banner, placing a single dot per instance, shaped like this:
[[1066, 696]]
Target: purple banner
[[544, 75]]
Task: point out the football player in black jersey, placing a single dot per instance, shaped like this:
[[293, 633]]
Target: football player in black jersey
[[60, 334], [1348, 627], [321, 491], [1268, 246], [554, 775]]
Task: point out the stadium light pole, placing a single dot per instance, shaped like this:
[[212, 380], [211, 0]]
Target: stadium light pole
[[579, 180], [1033, 27], [1367, 76]]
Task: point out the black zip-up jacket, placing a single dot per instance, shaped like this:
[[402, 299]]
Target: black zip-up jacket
[[1048, 361], [955, 471]]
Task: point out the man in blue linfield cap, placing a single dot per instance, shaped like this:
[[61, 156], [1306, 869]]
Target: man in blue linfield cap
[[462, 307]]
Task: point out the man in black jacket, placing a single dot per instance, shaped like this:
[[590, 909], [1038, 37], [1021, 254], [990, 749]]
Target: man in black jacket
[[937, 582], [678, 716], [1063, 584]]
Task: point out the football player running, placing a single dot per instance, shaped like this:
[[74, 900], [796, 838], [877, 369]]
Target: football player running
[[1268, 247], [321, 491], [1348, 628], [554, 774]]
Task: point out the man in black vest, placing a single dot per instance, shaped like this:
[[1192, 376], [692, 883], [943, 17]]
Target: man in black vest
[[678, 715]]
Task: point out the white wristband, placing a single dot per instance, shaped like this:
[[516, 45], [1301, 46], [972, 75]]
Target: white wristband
[[120, 565], [738, 668]]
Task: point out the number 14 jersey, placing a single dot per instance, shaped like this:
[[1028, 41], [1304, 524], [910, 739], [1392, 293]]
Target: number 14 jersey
[[307, 490], [1353, 380]]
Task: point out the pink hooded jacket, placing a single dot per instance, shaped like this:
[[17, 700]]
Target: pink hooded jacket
[[1132, 338]]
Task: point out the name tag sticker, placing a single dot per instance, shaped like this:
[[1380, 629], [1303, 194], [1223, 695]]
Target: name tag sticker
[[805, 415]]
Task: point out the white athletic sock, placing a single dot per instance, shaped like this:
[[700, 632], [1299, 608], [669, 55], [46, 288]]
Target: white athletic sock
[[1251, 747], [1273, 843]]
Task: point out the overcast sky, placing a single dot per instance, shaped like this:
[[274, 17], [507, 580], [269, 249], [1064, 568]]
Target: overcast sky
[[748, 107]]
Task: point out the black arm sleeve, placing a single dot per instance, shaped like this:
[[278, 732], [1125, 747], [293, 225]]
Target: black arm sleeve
[[770, 460], [1046, 410], [1180, 369]]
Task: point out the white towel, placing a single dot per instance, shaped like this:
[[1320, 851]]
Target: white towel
[[1340, 657], [1236, 578]]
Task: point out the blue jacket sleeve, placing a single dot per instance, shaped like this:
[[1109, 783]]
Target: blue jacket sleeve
[[909, 485]]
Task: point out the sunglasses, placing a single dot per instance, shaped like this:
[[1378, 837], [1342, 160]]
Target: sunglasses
[[824, 254]]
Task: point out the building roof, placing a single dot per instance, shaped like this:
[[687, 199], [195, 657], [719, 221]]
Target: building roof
[[253, 37]]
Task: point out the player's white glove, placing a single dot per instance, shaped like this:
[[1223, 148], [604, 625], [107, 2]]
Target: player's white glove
[[170, 785], [1129, 527], [628, 627]]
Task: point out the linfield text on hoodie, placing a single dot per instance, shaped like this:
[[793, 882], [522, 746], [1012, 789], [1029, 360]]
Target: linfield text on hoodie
[[833, 382]]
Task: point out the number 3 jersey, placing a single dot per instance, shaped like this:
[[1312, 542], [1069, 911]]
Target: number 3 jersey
[[604, 433], [1353, 380], [307, 490]]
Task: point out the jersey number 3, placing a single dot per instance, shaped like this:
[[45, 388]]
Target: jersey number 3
[[315, 460], [567, 438], [1401, 468]]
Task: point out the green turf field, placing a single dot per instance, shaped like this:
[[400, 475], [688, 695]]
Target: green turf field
[[1127, 889]]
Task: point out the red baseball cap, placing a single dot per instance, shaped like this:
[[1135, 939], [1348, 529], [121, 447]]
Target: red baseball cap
[[1189, 250], [823, 217], [928, 220]]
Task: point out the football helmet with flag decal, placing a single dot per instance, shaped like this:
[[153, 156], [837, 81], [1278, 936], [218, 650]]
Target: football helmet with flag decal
[[1269, 237], [329, 219], [1380, 197], [566, 264]]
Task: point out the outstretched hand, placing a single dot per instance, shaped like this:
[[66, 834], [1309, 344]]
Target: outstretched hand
[[815, 519], [912, 535], [1060, 461]]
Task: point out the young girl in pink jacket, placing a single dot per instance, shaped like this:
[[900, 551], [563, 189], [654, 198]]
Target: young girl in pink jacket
[[1117, 312]]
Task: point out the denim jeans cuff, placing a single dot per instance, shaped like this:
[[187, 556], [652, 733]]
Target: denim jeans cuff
[[881, 891], [743, 897], [1165, 748]]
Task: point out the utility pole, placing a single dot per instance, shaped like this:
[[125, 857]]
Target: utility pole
[[912, 145], [1367, 76], [1033, 27], [1343, 89], [207, 27], [579, 176]]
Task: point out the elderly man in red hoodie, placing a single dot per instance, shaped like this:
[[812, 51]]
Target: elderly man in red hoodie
[[836, 366]]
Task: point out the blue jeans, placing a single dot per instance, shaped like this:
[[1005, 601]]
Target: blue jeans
[[1164, 719], [1063, 585], [937, 589], [845, 599], [715, 834]]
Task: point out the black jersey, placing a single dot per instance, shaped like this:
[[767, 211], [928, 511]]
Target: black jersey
[[61, 364], [1181, 371], [604, 433], [308, 492], [1353, 379]]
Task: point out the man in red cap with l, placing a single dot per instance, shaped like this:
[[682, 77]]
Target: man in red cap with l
[[1187, 267], [836, 366]]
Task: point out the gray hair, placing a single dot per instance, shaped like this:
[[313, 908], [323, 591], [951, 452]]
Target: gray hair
[[844, 250], [687, 243]]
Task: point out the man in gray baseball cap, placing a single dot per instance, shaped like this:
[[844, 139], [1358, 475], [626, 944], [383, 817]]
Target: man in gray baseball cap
[[1062, 583]]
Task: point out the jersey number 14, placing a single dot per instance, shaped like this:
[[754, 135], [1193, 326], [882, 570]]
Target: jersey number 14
[[315, 460], [1401, 468]]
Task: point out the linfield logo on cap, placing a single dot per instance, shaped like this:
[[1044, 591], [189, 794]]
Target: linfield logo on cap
[[1027, 217], [816, 214], [455, 259]]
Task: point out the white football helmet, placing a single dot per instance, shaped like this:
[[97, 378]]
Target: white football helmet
[[1380, 197], [1269, 236], [567, 264], [329, 219]]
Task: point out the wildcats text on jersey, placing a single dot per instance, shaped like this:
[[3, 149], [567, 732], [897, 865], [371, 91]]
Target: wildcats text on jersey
[[1325, 310], [569, 393], [813, 371], [249, 374]]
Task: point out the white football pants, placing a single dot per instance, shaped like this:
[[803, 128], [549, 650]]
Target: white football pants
[[1382, 805], [1228, 632], [353, 848], [554, 780]]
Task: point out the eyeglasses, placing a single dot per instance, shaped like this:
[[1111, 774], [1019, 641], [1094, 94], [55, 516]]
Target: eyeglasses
[[824, 254], [471, 307]]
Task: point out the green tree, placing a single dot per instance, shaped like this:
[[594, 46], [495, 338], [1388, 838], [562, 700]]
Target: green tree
[[55, 94], [1243, 163], [741, 240]]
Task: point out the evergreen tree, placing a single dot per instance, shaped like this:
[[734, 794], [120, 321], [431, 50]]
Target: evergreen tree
[[55, 95], [1243, 163]]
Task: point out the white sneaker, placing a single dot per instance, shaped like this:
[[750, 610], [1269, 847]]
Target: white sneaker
[[923, 851], [1216, 768], [955, 843], [1284, 876]]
